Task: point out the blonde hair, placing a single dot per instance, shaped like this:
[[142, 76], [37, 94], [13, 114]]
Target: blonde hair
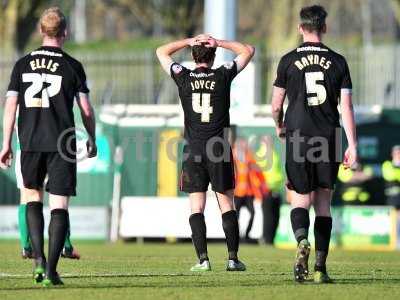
[[53, 22]]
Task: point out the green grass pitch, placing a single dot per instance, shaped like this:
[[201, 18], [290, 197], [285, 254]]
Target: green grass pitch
[[160, 271]]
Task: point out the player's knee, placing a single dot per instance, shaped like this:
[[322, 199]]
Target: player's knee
[[322, 202], [225, 201], [58, 202], [197, 210], [30, 195], [301, 203], [322, 208], [197, 202], [22, 198], [227, 207]]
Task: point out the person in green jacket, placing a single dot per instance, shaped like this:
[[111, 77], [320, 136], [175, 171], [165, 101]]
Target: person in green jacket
[[354, 188], [391, 175]]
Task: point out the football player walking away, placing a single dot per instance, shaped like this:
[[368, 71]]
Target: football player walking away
[[314, 78], [205, 98], [44, 84]]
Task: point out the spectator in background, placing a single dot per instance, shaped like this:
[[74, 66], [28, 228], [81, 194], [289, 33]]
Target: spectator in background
[[250, 182], [391, 175], [355, 188], [270, 163]]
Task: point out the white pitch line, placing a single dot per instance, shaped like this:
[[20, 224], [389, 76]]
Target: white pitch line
[[7, 275], [111, 275]]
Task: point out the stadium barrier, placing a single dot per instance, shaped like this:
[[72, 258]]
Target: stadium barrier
[[88, 223], [354, 227]]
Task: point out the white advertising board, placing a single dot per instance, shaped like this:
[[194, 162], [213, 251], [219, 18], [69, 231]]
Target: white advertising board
[[86, 222]]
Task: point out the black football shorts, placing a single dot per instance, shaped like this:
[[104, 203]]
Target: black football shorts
[[200, 168], [311, 162], [61, 172]]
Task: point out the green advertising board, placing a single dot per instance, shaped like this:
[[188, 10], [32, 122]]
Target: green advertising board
[[354, 227]]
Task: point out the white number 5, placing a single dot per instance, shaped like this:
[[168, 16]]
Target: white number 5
[[37, 86], [314, 88]]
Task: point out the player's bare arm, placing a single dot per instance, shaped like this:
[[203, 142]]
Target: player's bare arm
[[346, 104], [244, 52], [89, 122], [165, 52], [10, 110], [278, 98]]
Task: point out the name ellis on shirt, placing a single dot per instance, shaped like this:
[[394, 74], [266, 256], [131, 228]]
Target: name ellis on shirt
[[43, 63], [313, 59]]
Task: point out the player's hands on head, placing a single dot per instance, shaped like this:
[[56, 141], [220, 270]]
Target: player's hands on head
[[195, 41], [350, 159], [211, 43], [91, 148], [6, 156], [204, 39]]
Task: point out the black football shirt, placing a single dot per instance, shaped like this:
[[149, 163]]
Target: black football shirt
[[313, 76], [205, 98], [46, 82]]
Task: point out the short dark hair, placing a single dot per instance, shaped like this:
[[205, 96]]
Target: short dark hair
[[203, 54], [312, 18]]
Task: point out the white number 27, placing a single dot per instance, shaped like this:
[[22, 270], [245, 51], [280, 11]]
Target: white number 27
[[315, 88], [36, 87], [201, 105]]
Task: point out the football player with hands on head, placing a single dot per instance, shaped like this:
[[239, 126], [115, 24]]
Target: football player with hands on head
[[205, 97]]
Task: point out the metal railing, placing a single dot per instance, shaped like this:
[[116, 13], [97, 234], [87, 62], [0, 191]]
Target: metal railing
[[137, 78]]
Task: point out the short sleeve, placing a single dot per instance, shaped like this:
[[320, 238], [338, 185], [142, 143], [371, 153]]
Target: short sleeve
[[81, 80], [229, 70], [346, 80], [178, 73], [14, 85], [281, 78]]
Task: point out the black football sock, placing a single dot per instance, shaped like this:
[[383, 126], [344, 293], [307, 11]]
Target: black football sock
[[35, 220], [57, 232], [300, 223], [322, 233], [199, 235], [230, 225]]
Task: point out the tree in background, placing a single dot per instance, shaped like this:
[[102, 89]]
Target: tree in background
[[18, 19], [158, 17], [271, 23]]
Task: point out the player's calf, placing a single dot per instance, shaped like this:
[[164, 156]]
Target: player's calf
[[199, 238], [57, 231], [322, 233]]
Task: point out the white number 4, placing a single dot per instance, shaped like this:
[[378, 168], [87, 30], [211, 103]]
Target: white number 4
[[314, 88], [37, 81], [201, 105]]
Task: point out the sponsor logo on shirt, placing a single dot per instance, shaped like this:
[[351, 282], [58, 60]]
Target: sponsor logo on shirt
[[47, 53], [201, 75], [312, 48]]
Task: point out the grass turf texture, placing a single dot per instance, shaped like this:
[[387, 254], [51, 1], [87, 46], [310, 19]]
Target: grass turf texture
[[161, 271]]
